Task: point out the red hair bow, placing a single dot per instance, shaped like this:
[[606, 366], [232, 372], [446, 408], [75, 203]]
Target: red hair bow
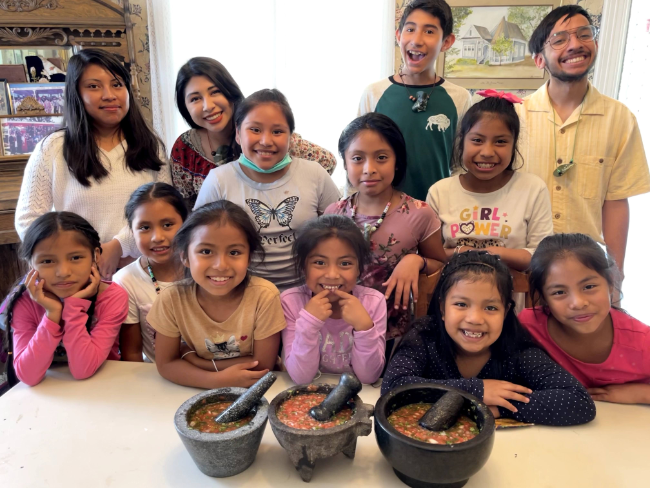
[[490, 93]]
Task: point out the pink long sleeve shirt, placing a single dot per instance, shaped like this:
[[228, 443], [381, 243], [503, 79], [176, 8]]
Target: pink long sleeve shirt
[[36, 337], [332, 346]]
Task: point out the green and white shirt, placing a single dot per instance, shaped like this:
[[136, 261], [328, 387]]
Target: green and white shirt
[[429, 135]]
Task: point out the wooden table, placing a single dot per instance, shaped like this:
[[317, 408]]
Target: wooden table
[[116, 430]]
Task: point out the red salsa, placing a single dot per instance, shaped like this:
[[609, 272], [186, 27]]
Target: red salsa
[[405, 420], [294, 412], [203, 419]]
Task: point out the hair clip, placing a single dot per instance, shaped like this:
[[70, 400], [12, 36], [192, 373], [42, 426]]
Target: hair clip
[[490, 93]]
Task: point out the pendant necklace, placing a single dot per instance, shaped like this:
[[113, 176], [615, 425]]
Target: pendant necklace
[[563, 168], [153, 278], [421, 99], [369, 229]]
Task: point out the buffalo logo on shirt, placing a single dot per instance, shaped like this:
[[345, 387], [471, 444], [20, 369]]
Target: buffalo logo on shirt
[[440, 120]]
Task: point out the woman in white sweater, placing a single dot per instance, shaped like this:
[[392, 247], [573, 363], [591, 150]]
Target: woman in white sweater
[[92, 165]]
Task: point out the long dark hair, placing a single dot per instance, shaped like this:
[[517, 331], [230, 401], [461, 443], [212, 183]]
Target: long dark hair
[[42, 228], [473, 266], [491, 106], [387, 130], [561, 246], [220, 212], [80, 148], [155, 191], [222, 79], [324, 227]]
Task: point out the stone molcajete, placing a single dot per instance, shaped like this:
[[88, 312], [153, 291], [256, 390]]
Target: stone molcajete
[[420, 464], [228, 453], [305, 447]]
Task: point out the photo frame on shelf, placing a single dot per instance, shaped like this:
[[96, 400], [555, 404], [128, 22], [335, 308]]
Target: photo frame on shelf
[[4, 97], [13, 73], [491, 46], [49, 95], [21, 133]]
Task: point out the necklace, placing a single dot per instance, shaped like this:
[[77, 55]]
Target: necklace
[[153, 278], [369, 229], [421, 99], [563, 168]]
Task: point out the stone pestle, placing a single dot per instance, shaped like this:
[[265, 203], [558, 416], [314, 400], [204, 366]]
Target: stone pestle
[[349, 385], [444, 413], [246, 402]]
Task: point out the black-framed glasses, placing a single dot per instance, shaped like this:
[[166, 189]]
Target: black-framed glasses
[[585, 34]]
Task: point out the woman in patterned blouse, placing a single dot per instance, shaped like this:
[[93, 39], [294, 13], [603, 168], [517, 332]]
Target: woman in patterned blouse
[[207, 97]]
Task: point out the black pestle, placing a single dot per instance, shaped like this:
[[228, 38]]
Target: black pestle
[[246, 402], [349, 385], [444, 413]]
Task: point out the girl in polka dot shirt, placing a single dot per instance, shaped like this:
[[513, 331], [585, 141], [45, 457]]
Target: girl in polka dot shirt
[[472, 340], [602, 346]]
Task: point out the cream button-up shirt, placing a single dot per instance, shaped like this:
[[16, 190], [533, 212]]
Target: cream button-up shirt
[[610, 163]]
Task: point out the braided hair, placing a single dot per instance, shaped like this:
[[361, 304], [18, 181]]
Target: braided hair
[[474, 266], [42, 228]]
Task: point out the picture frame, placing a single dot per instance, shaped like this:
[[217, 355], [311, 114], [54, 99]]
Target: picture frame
[[19, 134], [4, 97], [490, 50], [50, 95]]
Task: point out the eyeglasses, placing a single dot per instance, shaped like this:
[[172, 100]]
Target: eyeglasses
[[584, 34]]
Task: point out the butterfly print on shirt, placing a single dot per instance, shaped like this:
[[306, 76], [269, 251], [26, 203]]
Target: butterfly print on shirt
[[263, 214]]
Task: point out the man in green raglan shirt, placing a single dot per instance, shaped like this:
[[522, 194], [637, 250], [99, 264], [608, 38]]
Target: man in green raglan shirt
[[426, 107]]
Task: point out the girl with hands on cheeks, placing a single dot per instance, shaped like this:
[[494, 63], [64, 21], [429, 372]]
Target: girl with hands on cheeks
[[573, 280], [333, 324], [403, 233], [68, 313], [229, 320], [472, 340]]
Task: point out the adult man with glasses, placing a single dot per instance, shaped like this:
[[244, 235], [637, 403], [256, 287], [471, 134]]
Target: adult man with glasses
[[586, 146]]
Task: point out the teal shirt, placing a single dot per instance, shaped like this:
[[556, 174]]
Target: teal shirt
[[429, 135]]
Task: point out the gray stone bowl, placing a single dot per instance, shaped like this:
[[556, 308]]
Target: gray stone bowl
[[228, 453], [305, 447]]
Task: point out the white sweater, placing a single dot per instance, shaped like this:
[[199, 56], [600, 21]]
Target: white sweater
[[48, 185]]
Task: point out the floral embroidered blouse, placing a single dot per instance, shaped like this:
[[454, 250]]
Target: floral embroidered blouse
[[411, 222], [190, 165]]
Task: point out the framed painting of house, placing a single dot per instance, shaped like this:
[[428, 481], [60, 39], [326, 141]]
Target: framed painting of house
[[491, 46]]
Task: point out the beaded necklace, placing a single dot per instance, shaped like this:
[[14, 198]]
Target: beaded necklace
[[153, 278], [368, 229]]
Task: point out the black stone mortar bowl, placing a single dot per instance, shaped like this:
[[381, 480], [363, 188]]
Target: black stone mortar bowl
[[420, 464], [227, 453], [305, 447]]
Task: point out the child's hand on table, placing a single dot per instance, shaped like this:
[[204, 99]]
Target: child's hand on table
[[496, 393], [626, 393], [241, 375]]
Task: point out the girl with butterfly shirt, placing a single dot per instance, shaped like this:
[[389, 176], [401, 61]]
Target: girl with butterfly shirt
[[490, 205], [155, 213], [403, 233], [279, 192], [230, 321], [68, 313]]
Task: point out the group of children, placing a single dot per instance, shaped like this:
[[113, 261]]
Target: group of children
[[271, 270]]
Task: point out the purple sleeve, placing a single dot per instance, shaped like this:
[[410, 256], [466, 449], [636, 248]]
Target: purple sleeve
[[35, 340], [300, 339], [368, 352], [87, 351]]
